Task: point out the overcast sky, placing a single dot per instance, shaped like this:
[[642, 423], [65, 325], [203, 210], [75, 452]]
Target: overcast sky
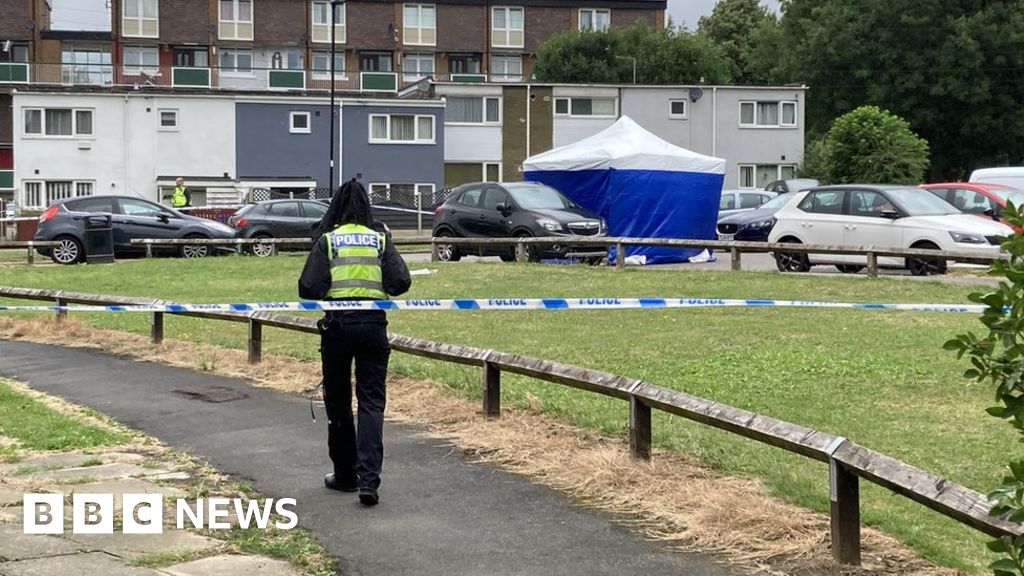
[[690, 11], [95, 14]]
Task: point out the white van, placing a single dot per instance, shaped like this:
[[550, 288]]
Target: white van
[[1012, 176]]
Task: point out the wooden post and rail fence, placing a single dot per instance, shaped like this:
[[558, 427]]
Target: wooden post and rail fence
[[848, 461]]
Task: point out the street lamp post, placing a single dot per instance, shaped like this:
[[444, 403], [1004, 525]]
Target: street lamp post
[[334, 120], [634, 65]]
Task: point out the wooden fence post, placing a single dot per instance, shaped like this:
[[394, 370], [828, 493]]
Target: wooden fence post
[[435, 254], [639, 429], [735, 259], [255, 341], [620, 255], [31, 253], [844, 508], [872, 265], [149, 250], [492, 390], [521, 255], [61, 314], [156, 330]]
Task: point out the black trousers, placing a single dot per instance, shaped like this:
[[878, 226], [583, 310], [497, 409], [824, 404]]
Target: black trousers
[[357, 457]]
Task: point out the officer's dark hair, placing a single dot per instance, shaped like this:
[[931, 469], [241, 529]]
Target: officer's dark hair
[[350, 205]]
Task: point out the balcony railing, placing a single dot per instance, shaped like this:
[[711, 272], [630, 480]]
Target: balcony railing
[[226, 78]]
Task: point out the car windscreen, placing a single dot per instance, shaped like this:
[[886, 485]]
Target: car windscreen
[[1010, 195], [777, 202], [537, 197], [918, 202]]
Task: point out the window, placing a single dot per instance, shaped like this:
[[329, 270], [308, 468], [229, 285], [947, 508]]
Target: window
[[495, 197], [767, 114], [492, 172], [135, 207], [235, 20], [168, 120], [284, 209], [594, 19], [140, 19], [727, 202], [92, 205], [314, 209], [401, 128], [506, 68], [321, 31], [191, 57], [419, 25], [761, 175], [286, 59], [86, 65], [416, 66], [39, 194], [139, 59], [472, 110], [749, 200], [471, 197], [677, 108], [58, 122], [971, 202], [299, 123], [375, 61], [464, 64], [236, 60], [322, 64], [506, 27], [585, 107], [823, 202], [16, 53]]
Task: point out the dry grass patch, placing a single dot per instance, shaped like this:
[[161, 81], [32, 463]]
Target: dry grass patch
[[672, 499]]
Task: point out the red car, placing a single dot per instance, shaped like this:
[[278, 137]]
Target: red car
[[985, 200]]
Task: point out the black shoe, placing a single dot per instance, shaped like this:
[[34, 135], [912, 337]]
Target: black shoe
[[334, 484], [368, 496]]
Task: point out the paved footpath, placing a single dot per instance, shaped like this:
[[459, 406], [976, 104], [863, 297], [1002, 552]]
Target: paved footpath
[[438, 513]]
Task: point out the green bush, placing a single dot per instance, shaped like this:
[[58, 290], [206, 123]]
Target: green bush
[[869, 145]]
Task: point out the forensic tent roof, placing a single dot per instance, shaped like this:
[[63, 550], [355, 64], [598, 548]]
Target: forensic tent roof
[[624, 145]]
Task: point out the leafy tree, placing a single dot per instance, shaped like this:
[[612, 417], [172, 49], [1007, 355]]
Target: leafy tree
[[871, 145], [732, 25], [950, 67], [662, 57], [997, 359]]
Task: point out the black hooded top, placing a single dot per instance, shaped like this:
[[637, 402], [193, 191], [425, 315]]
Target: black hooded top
[[350, 205]]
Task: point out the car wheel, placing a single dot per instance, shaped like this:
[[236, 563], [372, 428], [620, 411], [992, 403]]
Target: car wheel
[[849, 268], [195, 250], [69, 251], [262, 250], [508, 257], [532, 250], [920, 266], [792, 261], [447, 252]]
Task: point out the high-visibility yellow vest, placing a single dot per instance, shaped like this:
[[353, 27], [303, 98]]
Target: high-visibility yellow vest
[[178, 199], [355, 252]]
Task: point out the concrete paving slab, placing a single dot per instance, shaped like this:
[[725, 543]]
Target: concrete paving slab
[[439, 514], [15, 545], [231, 565], [134, 545], [8, 497], [92, 564], [101, 472], [49, 461]]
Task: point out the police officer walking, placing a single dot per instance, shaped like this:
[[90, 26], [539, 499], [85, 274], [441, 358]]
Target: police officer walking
[[352, 258], [180, 197]]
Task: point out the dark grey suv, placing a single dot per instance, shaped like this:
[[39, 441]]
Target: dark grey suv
[[513, 210], [131, 218]]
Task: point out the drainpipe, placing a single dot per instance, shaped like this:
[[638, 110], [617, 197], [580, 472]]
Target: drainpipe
[[125, 152], [714, 121], [529, 111]]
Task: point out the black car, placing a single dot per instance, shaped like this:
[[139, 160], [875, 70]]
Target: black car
[[276, 219], [513, 210], [751, 225], [131, 218]]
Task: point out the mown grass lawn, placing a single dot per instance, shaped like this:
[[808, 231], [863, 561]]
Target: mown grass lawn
[[878, 378]]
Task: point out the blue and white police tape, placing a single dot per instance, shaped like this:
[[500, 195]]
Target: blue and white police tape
[[465, 304]]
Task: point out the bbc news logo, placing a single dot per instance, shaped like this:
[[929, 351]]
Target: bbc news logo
[[144, 513]]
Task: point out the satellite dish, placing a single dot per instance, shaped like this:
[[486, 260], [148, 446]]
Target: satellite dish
[[696, 94]]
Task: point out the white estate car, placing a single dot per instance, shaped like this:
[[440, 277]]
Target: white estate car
[[880, 216]]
